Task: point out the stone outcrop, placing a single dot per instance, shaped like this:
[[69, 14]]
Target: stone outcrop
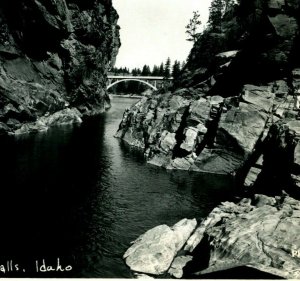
[[259, 232], [190, 131], [154, 251], [54, 56], [62, 117], [234, 111], [256, 41], [218, 115]]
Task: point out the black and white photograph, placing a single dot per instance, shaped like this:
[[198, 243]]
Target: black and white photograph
[[150, 139]]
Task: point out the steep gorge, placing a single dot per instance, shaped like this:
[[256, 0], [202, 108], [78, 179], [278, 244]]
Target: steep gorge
[[54, 56], [233, 111], [238, 81]]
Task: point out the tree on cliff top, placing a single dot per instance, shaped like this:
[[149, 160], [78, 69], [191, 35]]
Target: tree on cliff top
[[167, 71], [217, 10], [155, 71], [161, 69], [215, 14], [193, 27], [176, 69], [146, 70]]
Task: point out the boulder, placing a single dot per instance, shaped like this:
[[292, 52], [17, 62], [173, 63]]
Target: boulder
[[154, 251], [263, 236], [63, 117], [35, 127]]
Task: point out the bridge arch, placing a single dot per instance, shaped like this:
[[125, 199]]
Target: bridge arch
[[131, 79]]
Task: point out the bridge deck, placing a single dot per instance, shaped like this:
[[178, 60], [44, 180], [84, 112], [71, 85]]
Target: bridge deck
[[139, 77]]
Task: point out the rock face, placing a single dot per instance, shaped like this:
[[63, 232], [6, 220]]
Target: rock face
[[187, 130], [154, 251], [54, 55], [224, 103], [260, 233], [234, 111]]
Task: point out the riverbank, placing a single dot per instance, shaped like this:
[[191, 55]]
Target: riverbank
[[46, 76], [96, 190], [258, 233], [234, 111]]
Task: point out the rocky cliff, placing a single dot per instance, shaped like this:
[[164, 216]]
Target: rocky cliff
[[258, 233], [236, 84], [233, 111], [54, 56]]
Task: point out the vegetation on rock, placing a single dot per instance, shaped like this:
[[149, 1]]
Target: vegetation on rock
[[193, 26]]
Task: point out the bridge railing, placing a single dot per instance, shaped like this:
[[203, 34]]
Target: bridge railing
[[138, 77]]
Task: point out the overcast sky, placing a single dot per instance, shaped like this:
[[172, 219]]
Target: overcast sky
[[153, 30]]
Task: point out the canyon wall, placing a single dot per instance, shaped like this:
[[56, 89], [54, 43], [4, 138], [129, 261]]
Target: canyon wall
[[54, 56], [237, 83]]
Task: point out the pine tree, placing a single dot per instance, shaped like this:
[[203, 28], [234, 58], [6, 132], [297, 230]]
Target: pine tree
[[146, 70], [134, 72], [193, 27], [183, 65], [215, 14], [167, 71], [176, 69], [228, 5], [155, 70], [161, 69]]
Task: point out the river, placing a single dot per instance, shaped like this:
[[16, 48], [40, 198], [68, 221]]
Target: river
[[78, 194]]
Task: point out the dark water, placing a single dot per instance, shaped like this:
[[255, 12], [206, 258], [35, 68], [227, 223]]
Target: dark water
[[78, 194]]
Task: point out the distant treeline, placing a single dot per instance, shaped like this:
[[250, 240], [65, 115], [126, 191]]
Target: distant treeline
[[164, 69]]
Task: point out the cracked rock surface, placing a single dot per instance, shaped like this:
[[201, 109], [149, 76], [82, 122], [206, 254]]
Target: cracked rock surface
[[154, 251], [54, 56], [261, 233]]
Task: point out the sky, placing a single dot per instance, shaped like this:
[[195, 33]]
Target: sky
[[153, 30]]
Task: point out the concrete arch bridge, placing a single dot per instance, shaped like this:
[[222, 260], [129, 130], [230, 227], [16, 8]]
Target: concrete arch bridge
[[154, 82]]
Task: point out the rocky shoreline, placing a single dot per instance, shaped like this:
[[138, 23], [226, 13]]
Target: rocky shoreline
[[54, 59], [234, 110], [210, 121], [259, 232]]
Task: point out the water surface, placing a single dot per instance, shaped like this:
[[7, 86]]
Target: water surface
[[78, 194]]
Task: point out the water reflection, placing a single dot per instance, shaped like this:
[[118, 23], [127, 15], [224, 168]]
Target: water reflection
[[80, 194]]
